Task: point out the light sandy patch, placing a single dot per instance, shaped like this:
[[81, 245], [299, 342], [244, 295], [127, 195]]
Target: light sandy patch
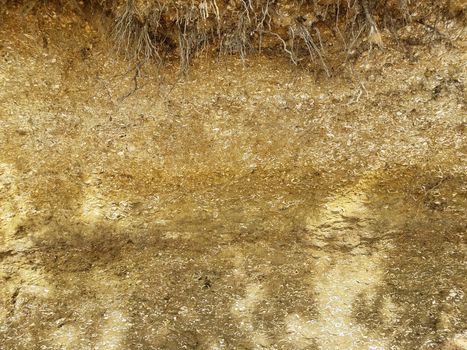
[[300, 331], [343, 277], [29, 282], [113, 331], [244, 308], [460, 340], [14, 209], [97, 206], [337, 291], [66, 338], [93, 201], [343, 220], [114, 325], [217, 345]]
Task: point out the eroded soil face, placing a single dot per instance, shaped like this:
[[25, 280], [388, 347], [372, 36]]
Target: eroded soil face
[[252, 205]]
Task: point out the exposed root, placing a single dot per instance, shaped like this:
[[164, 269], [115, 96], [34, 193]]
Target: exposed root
[[193, 30], [302, 32], [238, 40], [284, 44], [137, 74], [264, 24], [134, 37], [145, 30], [374, 37]]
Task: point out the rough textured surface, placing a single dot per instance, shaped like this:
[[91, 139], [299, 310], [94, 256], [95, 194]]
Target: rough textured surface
[[253, 205]]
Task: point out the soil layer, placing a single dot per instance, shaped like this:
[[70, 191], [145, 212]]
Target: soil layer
[[253, 204]]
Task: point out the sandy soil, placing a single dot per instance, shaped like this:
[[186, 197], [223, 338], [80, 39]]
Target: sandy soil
[[252, 205]]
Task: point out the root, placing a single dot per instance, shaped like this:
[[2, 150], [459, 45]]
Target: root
[[146, 30], [302, 32], [264, 24], [284, 44], [374, 37], [238, 40], [136, 75], [124, 31], [134, 37]]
